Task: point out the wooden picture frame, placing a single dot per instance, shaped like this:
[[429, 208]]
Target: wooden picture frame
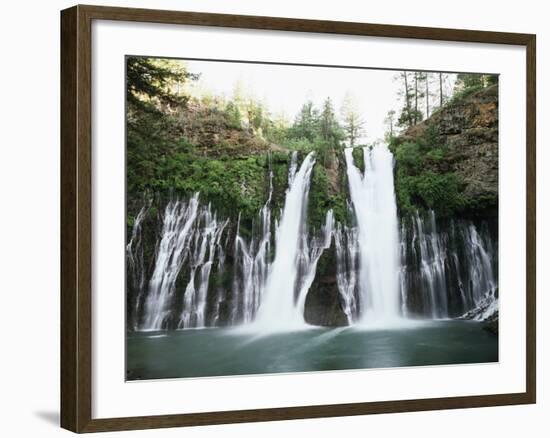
[[76, 217]]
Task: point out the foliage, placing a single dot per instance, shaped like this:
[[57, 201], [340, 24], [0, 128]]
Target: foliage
[[423, 93], [149, 81], [468, 83], [225, 148], [353, 125], [321, 200], [358, 158], [417, 184], [474, 80], [438, 192], [312, 130], [234, 116]]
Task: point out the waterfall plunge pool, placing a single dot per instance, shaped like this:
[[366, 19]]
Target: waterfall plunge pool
[[229, 351]]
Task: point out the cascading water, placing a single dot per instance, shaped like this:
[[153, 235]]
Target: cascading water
[[446, 272], [192, 234], [309, 256], [432, 269], [207, 240], [278, 309], [447, 268], [179, 218], [373, 198], [347, 256], [136, 265], [252, 263], [220, 291]]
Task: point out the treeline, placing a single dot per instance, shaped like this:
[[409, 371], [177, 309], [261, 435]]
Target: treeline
[[314, 128], [320, 130], [423, 93]]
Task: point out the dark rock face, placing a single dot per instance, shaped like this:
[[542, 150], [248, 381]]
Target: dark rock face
[[323, 306]]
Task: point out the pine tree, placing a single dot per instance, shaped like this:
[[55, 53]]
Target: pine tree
[[441, 91], [469, 81], [306, 123], [150, 81], [328, 125], [352, 123], [409, 92], [390, 123], [427, 95]]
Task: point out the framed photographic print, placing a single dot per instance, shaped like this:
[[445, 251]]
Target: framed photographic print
[[270, 218]]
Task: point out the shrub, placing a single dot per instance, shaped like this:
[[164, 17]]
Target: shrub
[[417, 184]]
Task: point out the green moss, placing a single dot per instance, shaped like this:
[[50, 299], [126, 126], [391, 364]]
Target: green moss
[[439, 192], [322, 198], [358, 158], [418, 184], [481, 204], [409, 158]]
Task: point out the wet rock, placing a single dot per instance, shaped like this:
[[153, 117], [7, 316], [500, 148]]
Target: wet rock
[[323, 306]]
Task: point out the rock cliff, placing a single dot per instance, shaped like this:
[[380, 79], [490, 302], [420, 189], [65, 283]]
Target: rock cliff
[[465, 131]]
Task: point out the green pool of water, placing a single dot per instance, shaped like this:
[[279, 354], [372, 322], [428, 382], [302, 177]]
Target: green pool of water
[[229, 351]]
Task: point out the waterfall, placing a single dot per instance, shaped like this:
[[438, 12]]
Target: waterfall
[[252, 264], [191, 234], [448, 270], [179, 218], [309, 256], [136, 265], [199, 270], [221, 295], [479, 253], [347, 255], [278, 309], [207, 240], [432, 265], [373, 198]]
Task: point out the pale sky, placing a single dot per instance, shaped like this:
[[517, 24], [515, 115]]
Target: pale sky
[[285, 88]]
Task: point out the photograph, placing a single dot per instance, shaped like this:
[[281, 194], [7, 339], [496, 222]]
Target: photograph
[[290, 218]]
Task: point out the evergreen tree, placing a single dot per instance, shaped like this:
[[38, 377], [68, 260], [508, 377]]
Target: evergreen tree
[[441, 98], [330, 134], [234, 114], [417, 117], [407, 116], [353, 125], [390, 123], [329, 128], [153, 81], [306, 123], [426, 79], [469, 81]]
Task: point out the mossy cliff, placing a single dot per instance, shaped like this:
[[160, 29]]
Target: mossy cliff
[[449, 162]]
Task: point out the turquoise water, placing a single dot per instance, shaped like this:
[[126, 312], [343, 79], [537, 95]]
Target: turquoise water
[[229, 351]]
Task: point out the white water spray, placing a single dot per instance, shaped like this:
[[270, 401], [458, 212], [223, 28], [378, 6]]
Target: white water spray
[[173, 250], [373, 198], [278, 309]]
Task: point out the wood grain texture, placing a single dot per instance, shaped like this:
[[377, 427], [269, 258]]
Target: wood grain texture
[[68, 347], [76, 219]]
